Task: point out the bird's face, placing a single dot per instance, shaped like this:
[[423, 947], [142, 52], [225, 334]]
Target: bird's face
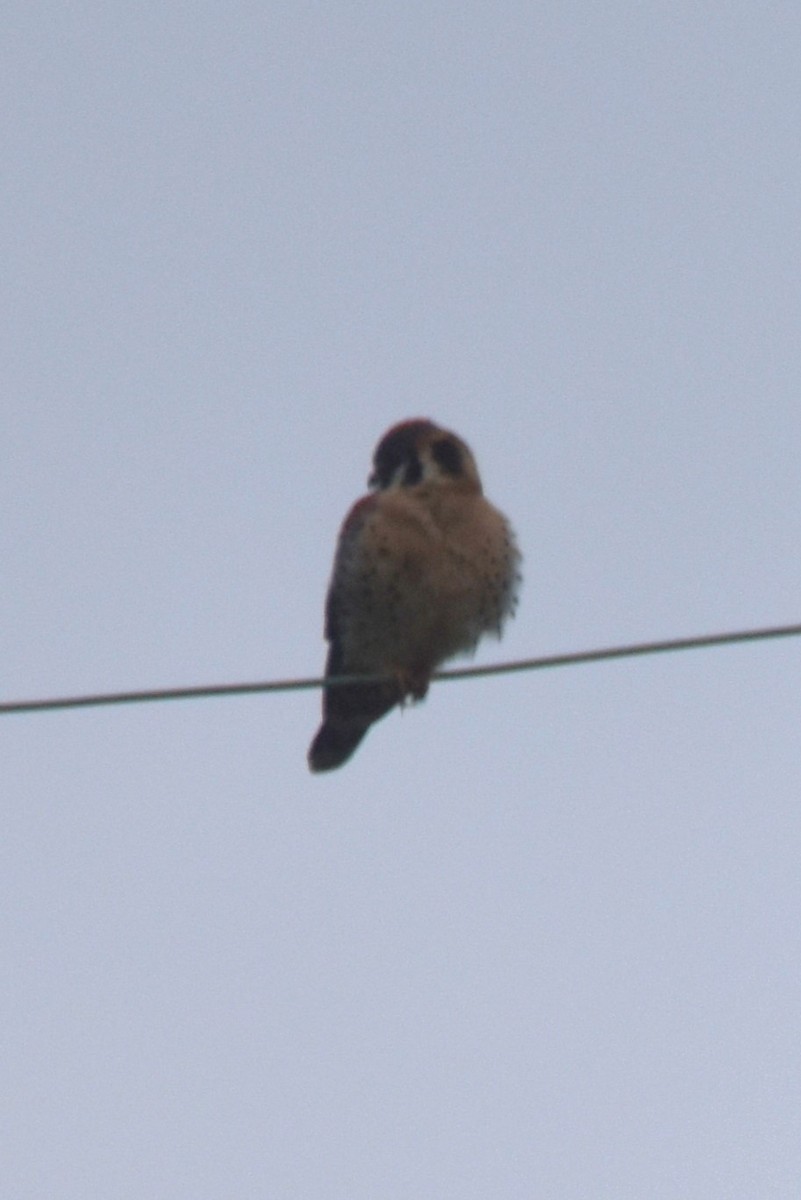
[[419, 452]]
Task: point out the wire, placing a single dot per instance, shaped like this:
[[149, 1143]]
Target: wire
[[574, 659]]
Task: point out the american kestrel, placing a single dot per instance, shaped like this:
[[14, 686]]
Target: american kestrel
[[424, 567]]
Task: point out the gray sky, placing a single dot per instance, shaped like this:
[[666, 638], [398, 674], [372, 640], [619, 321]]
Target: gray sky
[[540, 938]]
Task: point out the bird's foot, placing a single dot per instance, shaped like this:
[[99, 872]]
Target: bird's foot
[[412, 685]]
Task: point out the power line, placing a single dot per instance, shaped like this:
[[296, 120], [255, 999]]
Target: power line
[[573, 659]]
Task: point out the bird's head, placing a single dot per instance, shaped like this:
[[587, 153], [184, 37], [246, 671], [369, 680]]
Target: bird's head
[[419, 452]]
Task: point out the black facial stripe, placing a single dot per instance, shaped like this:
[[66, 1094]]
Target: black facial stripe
[[398, 448], [413, 472], [448, 455]]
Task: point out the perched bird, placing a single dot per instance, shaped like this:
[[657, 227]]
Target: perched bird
[[424, 567]]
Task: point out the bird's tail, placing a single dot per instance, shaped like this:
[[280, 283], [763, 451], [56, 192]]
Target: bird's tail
[[348, 712], [335, 741]]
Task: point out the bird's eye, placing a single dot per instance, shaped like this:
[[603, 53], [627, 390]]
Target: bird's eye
[[396, 459], [448, 455]]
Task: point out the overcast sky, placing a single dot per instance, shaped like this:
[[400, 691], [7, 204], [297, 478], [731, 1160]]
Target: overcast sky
[[541, 937]]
